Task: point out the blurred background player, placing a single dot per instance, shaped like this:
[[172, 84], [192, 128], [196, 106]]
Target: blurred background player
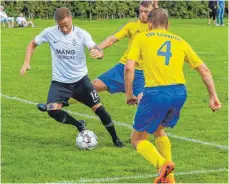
[[69, 71], [21, 20], [212, 8], [4, 18], [163, 56]]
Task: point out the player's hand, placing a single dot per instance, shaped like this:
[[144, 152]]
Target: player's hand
[[214, 104], [24, 68], [131, 100], [96, 53]]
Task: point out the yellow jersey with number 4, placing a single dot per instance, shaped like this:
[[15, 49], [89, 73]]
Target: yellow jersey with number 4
[[130, 30], [162, 55]]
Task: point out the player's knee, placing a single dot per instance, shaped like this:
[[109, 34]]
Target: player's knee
[[99, 85], [58, 115]]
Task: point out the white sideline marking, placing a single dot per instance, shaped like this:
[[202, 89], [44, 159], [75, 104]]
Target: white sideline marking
[[124, 124], [97, 180]]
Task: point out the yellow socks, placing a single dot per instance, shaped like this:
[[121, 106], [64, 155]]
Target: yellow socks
[[163, 146], [150, 153]]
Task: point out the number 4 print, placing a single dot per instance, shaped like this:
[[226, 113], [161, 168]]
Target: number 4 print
[[167, 54]]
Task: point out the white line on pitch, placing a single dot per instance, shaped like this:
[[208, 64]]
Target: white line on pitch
[[97, 180], [123, 124]]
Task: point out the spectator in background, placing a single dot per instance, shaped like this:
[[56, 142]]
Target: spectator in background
[[212, 8], [221, 7], [21, 20], [4, 18]]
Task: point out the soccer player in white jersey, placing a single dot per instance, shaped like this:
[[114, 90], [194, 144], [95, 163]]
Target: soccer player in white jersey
[[69, 71]]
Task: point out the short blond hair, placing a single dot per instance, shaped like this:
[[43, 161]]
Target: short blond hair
[[159, 17]]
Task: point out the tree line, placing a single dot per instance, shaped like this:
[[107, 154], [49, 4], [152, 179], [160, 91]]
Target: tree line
[[103, 9]]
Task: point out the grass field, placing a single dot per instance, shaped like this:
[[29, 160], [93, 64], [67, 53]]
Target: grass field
[[35, 148]]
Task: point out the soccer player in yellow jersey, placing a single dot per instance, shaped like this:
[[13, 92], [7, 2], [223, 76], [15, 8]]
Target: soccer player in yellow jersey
[[113, 79], [163, 55]]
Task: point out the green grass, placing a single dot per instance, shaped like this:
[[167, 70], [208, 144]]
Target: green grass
[[35, 148]]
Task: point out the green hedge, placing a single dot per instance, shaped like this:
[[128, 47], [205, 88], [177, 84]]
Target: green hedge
[[104, 9]]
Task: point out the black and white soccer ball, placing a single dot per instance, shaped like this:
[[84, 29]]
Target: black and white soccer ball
[[86, 140]]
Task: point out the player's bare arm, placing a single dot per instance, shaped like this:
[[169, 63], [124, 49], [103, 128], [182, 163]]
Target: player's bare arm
[[129, 78], [209, 83], [29, 52], [108, 42]]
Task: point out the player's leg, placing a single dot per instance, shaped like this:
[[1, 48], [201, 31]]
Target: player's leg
[[87, 95], [163, 146], [161, 140], [162, 143], [99, 85], [112, 80], [151, 112], [57, 97], [105, 118], [146, 149]]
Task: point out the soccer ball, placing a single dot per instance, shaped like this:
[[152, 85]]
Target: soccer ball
[[86, 140]]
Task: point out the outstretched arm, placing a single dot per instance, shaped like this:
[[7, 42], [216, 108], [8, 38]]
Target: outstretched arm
[[109, 41], [209, 83], [29, 52]]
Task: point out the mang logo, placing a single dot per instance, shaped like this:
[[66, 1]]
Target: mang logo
[[65, 52]]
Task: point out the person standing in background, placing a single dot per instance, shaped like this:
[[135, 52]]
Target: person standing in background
[[221, 7], [212, 9]]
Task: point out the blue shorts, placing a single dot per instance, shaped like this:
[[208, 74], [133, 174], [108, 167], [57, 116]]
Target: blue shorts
[[114, 80], [159, 105]]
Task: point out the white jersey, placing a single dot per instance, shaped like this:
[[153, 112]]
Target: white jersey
[[20, 20], [68, 55]]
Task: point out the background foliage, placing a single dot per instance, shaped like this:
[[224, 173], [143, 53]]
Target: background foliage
[[104, 9]]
